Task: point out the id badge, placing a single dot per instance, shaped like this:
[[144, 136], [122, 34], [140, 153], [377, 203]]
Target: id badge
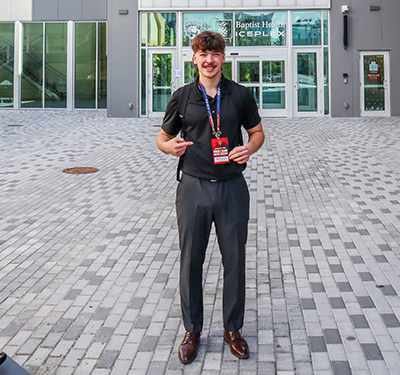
[[220, 150]]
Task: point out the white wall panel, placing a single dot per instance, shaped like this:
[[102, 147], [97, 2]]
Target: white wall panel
[[5, 11], [289, 3], [21, 10], [232, 4], [269, 3], [198, 3], [161, 3], [304, 3], [215, 3], [179, 3], [253, 3], [322, 3], [148, 3]]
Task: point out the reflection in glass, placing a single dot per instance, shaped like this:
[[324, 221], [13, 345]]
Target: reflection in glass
[[55, 65], [194, 23], [102, 66], [227, 69], [326, 81], [273, 97], [273, 72], [255, 90], [306, 28], [374, 78], [32, 66], [260, 28], [307, 94], [143, 27], [162, 66], [189, 74], [161, 29], [143, 82], [326, 37], [249, 72], [6, 65], [85, 65]]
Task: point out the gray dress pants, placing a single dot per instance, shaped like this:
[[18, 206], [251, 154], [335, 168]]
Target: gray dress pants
[[200, 202]]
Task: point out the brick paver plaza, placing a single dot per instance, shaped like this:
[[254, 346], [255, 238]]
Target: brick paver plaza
[[89, 263]]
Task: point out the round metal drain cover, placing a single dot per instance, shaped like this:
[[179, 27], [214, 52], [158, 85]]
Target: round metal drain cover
[[80, 170]]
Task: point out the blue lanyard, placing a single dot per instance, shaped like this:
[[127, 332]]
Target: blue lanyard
[[217, 133]]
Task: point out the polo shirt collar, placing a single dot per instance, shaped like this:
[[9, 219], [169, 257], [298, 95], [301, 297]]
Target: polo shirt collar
[[225, 88]]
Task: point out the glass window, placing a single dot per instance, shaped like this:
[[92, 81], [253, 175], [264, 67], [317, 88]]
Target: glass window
[[143, 82], [306, 28], [227, 69], [161, 29], [273, 97], [326, 37], [91, 65], [102, 66], [260, 28], [273, 72], [162, 68], [85, 65], [55, 65], [6, 65], [32, 66], [194, 23], [307, 93], [190, 74], [374, 78], [143, 26], [249, 72], [255, 90], [326, 81]]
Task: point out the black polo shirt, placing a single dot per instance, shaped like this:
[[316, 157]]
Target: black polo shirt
[[198, 159]]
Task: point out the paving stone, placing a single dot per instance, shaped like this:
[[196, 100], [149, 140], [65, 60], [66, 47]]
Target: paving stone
[[372, 352], [90, 263]]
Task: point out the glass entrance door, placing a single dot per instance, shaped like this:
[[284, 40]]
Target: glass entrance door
[[374, 84], [265, 77], [308, 83], [162, 80]]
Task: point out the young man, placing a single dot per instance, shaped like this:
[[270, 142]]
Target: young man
[[212, 187]]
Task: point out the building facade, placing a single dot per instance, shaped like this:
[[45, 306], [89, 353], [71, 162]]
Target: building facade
[[297, 57]]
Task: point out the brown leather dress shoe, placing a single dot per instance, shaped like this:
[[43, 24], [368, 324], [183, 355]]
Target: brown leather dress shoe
[[188, 349], [238, 344]]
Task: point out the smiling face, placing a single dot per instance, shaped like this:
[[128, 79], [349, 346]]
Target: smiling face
[[209, 63]]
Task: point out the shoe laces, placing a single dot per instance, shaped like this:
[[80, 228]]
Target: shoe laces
[[235, 335], [187, 338]]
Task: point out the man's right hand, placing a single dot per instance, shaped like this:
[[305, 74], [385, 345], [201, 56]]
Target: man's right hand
[[172, 145], [176, 146]]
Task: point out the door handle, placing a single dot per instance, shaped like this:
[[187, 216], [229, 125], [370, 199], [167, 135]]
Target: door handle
[[296, 85], [172, 86]]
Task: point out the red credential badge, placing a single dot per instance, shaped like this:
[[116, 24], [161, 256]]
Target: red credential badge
[[220, 150]]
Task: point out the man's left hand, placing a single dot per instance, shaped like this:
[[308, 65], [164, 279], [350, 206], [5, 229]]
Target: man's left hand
[[240, 154]]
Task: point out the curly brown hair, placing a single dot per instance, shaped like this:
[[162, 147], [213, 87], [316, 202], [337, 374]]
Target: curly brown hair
[[208, 41]]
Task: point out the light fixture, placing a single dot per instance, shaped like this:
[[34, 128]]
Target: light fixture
[[345, 11]]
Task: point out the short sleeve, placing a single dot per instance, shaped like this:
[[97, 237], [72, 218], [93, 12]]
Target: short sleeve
[[250, 116], [171, 122]]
